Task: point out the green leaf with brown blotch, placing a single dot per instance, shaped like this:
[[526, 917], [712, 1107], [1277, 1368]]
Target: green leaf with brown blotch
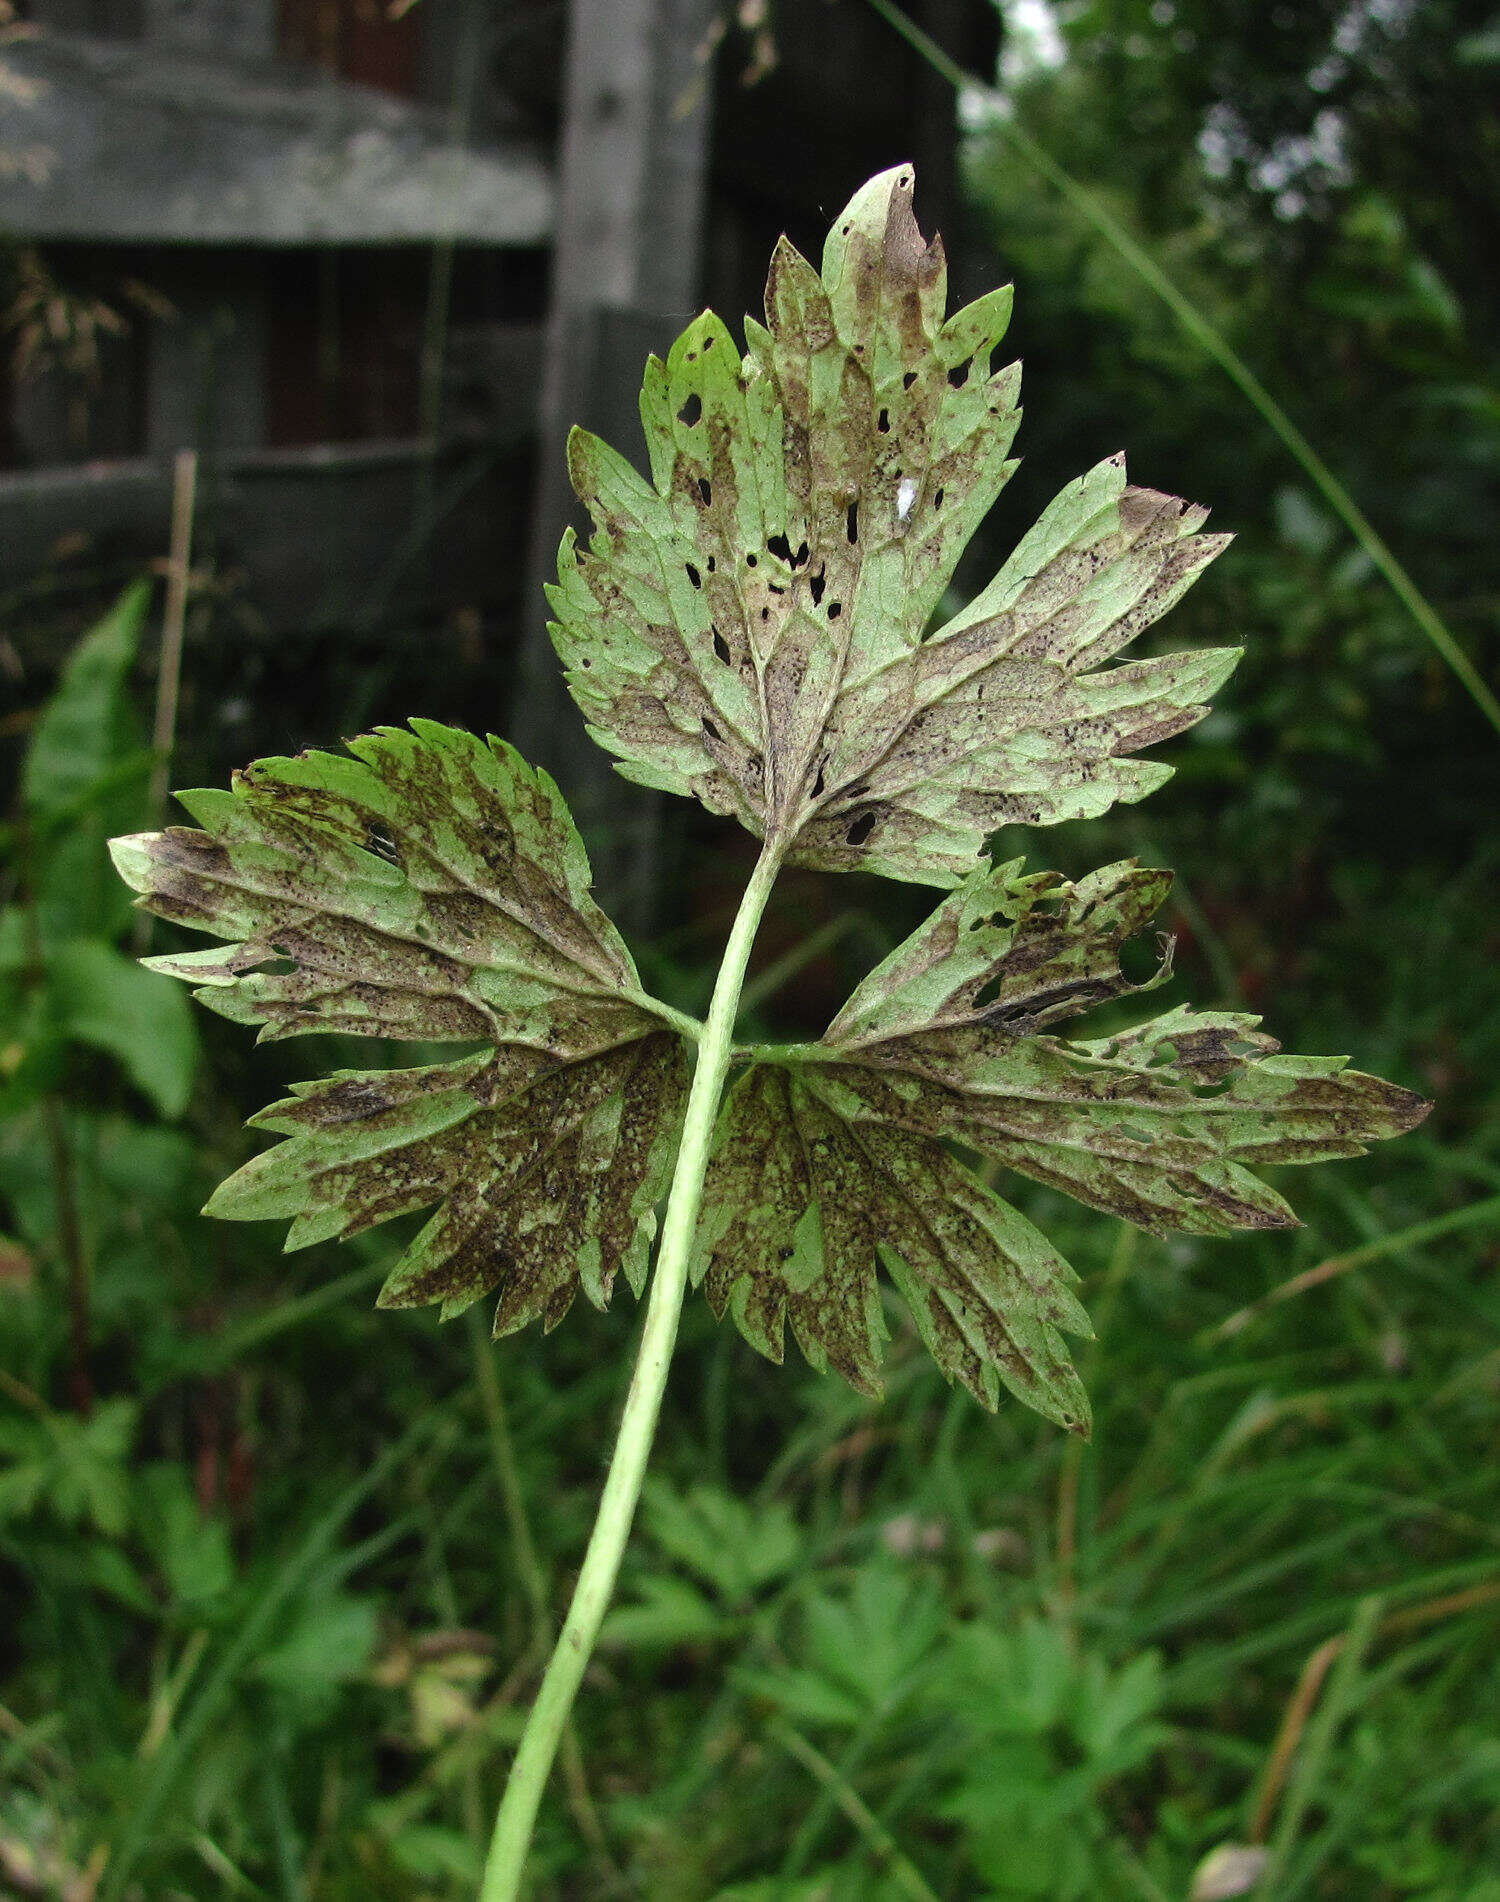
[[802, 1201], [548, 1173], [750, 625], [431, 886], [843, 1141]]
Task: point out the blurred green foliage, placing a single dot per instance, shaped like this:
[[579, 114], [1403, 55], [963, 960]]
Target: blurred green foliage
[[276, 1570]]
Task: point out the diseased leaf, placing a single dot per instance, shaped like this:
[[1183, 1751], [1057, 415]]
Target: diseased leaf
[[803, 1200], [432, 886], [750, 625], [548, 1173], [838, 1148]]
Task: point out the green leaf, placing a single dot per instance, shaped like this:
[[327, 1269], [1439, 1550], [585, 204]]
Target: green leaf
[[87, 726], [104, 999], [858, 1655], [432, 887], [750, 626], [831, 1157], [329, 1645]]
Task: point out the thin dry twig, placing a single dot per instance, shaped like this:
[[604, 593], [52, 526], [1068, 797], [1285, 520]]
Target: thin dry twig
[[1314, 1673]]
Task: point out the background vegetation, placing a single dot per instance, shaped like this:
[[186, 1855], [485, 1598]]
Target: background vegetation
[[278, 1573]]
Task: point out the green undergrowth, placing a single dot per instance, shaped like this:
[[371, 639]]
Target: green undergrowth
[[275, 1604]]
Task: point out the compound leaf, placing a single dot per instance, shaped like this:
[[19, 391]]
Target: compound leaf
[[432, 887], [833, 1156], [750, 625]]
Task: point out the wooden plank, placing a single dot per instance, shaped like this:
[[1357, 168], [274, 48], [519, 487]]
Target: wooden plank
[[626, 265], [113, 141], [302, 542]]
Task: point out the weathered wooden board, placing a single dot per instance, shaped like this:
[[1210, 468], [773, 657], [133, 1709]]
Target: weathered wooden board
[[115, 141], [299, 542]]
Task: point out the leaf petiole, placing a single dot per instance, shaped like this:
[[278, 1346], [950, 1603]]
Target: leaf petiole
[[685, 1026], [516, 1819]]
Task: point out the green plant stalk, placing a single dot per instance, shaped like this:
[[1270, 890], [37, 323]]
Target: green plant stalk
[[622, 1489], [1215, 346]]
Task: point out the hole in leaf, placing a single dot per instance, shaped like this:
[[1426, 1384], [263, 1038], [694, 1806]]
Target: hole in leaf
[[721, 648], [710, 729], [801, 555], [712, 564], [779, 545], [908, 379], [835, 609], [958, 376], [816, 584], [818, 782], [752, 561], [861, 829], [851, 522], [693, 575], [1140, 959], [883, 422], [775, 587], [691, 410], [705, 490]]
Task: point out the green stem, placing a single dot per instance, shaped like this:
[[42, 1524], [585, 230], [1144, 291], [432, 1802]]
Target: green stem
[[622, 1489]]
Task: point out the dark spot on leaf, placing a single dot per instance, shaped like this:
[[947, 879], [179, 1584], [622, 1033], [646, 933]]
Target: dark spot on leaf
[[691, 410]]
